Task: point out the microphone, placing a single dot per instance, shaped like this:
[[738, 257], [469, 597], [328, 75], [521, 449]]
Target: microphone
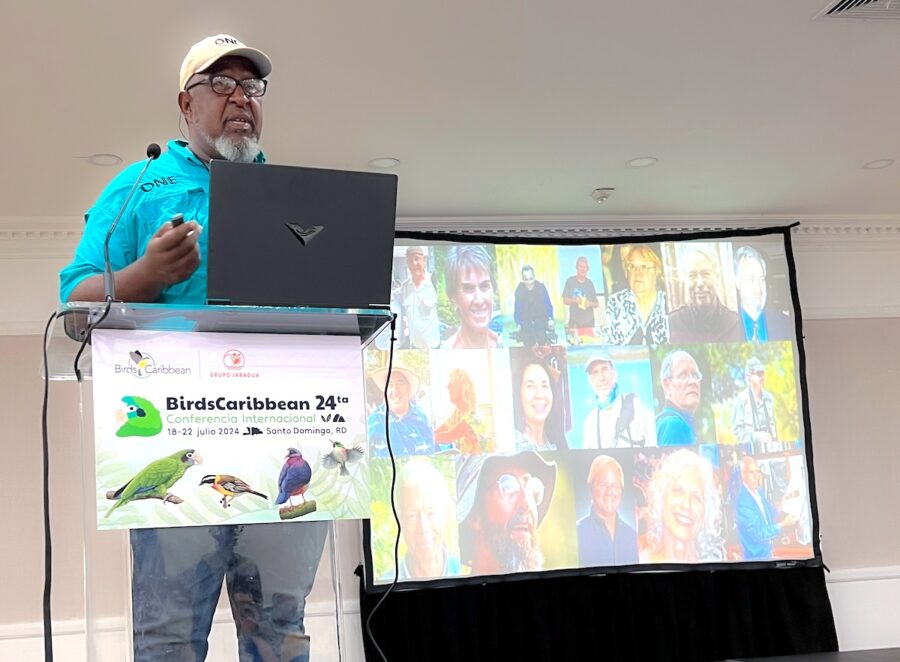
[[109, 283]]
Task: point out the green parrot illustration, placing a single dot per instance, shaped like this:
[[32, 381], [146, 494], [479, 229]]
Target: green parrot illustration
[[154, 480], [139, 418]]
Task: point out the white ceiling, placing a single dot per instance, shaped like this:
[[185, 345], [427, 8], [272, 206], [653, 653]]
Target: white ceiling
[[494, 107]]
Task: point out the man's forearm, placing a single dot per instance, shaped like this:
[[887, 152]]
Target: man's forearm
[[132, 284]]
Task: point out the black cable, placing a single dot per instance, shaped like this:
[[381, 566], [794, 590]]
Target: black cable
[[87, 337], [387, 437], [48, 548]]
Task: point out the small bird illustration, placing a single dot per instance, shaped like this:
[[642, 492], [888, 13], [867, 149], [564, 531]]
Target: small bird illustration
[[341, 456], [154, 480], [140, 361], [294, 477], [229, 487], [139, 418]]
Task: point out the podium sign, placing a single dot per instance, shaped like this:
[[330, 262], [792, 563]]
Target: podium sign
[[198, 428]]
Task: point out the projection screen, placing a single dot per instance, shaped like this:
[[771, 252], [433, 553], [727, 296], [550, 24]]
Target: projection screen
[[584, 406]]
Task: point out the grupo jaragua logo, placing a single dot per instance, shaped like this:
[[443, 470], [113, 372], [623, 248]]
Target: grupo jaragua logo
[[235, 363], [142, 365]]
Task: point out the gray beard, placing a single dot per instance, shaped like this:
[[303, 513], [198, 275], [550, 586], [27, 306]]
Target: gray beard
[[513, 556], [244, 150]]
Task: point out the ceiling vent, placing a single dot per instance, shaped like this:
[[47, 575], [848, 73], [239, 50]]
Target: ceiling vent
[[885, 10]]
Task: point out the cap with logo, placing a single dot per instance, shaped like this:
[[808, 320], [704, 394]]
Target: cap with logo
[[206, 52], [754, 365]]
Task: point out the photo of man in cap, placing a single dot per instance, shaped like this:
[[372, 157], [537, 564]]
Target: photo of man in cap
[[501, 502], [618, 419], [418, 301], [410, 430], [753, 414]]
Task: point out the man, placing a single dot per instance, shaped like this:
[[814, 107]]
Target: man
[[603, 536], [502, 500], [533, 310], [221, 84], [411, 433], [704, 318], [753, 414], [423, 505], [759, 325], [418, 301], [580, 295], [680, 378], [758, 522], [619, 420]]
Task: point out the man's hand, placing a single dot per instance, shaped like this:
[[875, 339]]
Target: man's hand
[[172, 254]]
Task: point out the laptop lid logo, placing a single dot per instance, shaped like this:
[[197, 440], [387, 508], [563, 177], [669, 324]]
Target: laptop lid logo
[[303, 235]]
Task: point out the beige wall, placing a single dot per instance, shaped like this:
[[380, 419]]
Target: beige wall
[[853, 369]]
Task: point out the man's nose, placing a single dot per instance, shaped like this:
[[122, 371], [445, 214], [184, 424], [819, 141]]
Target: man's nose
[[239, 96]]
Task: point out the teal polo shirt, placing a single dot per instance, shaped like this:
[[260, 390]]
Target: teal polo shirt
[[175, 183]]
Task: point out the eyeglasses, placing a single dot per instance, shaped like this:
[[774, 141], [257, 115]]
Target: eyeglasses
[[226, 85], [696, 375], [511, 486], [633, 268]]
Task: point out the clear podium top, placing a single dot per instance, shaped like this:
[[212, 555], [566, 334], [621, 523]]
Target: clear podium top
[[74, 318]]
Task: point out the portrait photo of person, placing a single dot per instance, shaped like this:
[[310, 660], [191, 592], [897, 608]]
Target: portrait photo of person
[[425, 509], [409, 423], [759, 522], [464, 430], [533, 311], [612, 388], [757, 403], [637, 314], [581, 294], [683, 517], [685, 415], [604, 536], [417, 300], [540, 397], [702, 301], [470, 287], [502, 501], [762, 322]]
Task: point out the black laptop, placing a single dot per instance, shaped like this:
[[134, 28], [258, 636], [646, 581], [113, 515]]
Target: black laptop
[[291, 236]]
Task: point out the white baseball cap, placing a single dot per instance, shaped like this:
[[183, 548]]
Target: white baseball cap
[[204, 54]]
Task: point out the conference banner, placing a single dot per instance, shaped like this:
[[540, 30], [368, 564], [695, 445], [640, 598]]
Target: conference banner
[[619, 404], [227, 428]]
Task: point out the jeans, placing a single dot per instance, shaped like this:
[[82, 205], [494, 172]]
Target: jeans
[[177, 577]]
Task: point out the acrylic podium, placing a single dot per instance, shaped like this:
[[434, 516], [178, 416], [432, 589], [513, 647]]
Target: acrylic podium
[[109, 603]]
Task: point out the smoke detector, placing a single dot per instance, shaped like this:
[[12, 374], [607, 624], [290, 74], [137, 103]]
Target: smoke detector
[[601, 195]]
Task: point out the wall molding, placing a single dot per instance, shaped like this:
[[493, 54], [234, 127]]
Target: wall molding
[[44, 236]]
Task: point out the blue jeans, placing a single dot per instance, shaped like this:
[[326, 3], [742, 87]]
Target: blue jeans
[[177, 577]]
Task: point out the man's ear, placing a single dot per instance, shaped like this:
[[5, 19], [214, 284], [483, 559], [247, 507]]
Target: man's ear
[[186, 105]]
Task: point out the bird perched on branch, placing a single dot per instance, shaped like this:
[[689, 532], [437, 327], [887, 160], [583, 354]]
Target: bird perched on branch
[[294, 477], [229, 487], [341, 456], [154, 480]]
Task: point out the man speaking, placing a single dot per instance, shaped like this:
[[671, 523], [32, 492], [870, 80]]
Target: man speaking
[[221, 86]]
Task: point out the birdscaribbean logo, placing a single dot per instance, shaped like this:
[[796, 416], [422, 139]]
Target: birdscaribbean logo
[[138, 417], [141, 365]]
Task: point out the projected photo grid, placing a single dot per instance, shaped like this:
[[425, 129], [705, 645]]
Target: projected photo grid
[[564, 407]]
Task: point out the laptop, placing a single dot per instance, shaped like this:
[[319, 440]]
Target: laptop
[[292, 236]]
